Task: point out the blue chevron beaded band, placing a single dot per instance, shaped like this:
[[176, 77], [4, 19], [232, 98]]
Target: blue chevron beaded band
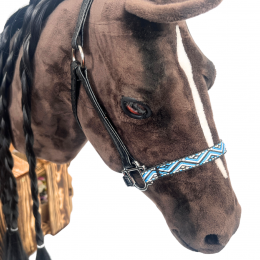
[[186, 163]]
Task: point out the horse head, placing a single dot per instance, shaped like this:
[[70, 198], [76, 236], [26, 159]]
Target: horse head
[[143, 59], [152, 80]]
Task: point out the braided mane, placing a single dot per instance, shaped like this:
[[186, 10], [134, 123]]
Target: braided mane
[[24, 27]]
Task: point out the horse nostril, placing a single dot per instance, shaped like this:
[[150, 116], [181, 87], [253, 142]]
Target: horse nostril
[[211, 240]]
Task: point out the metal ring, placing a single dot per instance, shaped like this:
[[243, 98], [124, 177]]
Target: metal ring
[[140, 188], [42, 246], [12, 229], [81, 54], [73, 55]]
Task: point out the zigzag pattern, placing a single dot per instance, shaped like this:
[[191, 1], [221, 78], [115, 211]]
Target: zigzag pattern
[[185, 163]]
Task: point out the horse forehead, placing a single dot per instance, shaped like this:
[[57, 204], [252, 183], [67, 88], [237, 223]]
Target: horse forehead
[[121, 30], [136, 57]]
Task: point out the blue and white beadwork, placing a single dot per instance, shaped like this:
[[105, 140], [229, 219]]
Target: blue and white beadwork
[[186, 163]]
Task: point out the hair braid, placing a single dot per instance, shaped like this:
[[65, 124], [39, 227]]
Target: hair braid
[[40, 14], [9, 194], [4, 42], [33, 17], [12, 25], [13, 248], [4, 46], [5, 155]]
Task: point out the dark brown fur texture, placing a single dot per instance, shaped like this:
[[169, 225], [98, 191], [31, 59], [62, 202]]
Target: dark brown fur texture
[[135, 57]]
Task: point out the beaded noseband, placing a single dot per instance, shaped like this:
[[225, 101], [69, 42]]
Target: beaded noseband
[[130, 165], [184, 164]]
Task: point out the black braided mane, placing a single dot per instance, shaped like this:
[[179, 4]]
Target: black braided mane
[[26, 24]]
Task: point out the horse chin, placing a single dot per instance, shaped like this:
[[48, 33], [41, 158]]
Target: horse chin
[[215, 249], [181, 241]]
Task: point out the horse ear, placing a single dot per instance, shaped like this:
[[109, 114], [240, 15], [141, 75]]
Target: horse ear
[[168, 11]]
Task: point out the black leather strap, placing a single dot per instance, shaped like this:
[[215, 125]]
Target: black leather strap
[[77, 38], [126, 158], [80, 75], [75, 86]]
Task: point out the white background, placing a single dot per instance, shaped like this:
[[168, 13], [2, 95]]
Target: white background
[[110, 221]]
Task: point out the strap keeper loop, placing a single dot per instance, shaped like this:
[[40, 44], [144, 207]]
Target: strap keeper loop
[[82, 62]]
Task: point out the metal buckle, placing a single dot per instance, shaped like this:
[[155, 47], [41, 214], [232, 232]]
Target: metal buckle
[[81, 54], [130, 181]]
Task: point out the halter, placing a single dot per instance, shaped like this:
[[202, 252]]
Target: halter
[[130, 165]]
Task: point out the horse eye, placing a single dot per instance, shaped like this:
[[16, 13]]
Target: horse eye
[[135, 109], [208, 82]]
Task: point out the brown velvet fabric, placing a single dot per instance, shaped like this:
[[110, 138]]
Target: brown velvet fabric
[[128, 56], [167, 11], [196, 204], [58, 137]]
